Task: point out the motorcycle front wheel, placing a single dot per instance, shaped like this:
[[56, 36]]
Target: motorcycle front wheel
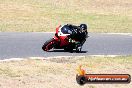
[[49, 44]]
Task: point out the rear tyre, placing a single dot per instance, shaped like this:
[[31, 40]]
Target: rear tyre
[[49, 44]]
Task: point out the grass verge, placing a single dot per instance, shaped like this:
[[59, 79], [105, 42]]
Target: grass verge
[[61, 72], [44, 16]]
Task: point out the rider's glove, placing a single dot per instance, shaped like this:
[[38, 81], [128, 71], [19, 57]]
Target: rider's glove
[[72, 41]]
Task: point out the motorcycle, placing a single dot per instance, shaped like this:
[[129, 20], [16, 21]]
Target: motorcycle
[[64, 39]]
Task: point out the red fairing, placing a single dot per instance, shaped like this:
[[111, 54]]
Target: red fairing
[[55, 38], [64, 41], [62, 38]]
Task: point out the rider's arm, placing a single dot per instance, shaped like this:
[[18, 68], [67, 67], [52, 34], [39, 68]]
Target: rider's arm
[[76, 29], [73, 26]]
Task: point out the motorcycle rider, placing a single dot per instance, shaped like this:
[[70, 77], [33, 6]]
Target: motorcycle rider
[[81, 29], [78, 32]]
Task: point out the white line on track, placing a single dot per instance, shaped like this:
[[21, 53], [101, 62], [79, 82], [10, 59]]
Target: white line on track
[[55, 57], [13, 59], [130, 34], [104, 55]]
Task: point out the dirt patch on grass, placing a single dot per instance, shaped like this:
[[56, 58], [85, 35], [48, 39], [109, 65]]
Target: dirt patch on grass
[[60, 72]]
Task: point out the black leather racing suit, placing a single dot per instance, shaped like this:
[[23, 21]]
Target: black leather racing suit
[[77, 34]]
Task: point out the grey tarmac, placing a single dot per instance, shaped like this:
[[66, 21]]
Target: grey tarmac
[[28, 44]]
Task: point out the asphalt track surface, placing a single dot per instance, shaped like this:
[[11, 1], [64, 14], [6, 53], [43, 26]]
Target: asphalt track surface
[[24, 45]]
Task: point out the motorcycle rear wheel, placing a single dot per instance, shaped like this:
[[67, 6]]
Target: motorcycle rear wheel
[[49, 44]]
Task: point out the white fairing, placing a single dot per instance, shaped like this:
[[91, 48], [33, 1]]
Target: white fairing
[[60, 33]]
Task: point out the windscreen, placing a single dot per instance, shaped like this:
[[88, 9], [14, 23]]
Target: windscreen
[[66, 30]]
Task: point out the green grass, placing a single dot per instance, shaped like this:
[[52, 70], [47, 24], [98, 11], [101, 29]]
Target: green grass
[[55, 65], [61, 72], [44, 16]]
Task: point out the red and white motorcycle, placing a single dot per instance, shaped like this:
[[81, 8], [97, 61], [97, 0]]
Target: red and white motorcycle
[[63, 40]]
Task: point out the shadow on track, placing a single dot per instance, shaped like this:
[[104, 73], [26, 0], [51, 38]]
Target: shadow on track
[[74, 51]]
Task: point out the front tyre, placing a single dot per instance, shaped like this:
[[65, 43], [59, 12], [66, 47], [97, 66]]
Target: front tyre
[[49, 44]]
